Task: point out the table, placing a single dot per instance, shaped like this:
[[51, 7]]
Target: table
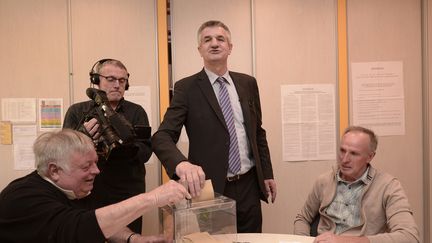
[[264, 238]]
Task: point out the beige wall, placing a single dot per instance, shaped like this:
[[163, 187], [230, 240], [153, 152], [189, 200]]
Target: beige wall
[[295, 44], [186, 59], [33, 60], [278, 41]]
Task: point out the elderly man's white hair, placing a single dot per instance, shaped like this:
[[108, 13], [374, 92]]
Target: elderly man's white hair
[[58, 146]]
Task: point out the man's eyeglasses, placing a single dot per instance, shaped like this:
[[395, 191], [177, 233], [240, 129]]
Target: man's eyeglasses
[[112, 79]]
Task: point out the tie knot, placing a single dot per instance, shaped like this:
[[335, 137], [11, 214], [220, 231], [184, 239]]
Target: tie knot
[[221, 80]]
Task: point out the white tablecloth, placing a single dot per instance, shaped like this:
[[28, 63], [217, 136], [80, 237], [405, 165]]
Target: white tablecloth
[[264, 238]]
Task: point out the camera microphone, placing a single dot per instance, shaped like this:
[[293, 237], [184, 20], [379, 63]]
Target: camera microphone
[[99, 96]]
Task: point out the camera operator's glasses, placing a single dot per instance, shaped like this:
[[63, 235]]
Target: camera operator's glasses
[[112, 79]]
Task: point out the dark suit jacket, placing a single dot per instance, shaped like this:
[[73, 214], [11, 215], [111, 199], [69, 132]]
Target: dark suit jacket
[[195, 106]]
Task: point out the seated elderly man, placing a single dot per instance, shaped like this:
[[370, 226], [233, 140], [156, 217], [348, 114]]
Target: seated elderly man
[[49, 205], [355, 202]]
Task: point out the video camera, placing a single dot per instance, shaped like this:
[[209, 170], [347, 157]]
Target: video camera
[[115, 130]]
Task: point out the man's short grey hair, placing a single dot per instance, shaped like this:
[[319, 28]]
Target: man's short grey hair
[[213, 23], [110, 61], [372, 136], [58, 147]]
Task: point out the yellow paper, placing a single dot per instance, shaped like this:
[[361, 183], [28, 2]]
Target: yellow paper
[[5, 132]]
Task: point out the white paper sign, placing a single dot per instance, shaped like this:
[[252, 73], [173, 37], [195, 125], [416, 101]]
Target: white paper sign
[[378, 97], [308, 122], [23, 139]]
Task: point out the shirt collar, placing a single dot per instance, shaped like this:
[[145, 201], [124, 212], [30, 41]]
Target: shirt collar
[[69, 193], [212, 76]]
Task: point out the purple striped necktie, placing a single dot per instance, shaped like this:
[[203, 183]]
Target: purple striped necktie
[[225, 104]]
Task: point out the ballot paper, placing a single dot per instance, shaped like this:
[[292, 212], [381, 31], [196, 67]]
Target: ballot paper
[[207, 192]]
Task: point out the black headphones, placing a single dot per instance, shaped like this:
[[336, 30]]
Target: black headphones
[[94, 75]]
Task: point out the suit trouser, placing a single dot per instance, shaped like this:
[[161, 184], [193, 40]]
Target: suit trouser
[[245, 191]]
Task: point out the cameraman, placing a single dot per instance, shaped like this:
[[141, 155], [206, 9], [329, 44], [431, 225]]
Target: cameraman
[[122, 170]]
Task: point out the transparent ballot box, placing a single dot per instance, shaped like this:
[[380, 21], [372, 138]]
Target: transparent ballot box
[[215, 216]]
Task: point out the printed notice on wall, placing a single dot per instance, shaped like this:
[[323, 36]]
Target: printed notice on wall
[[378, 97], [308, 122], [140, 95], [50, 114], [19, 109], [23, 139]]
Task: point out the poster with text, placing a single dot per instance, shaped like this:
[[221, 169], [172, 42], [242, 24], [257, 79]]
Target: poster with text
[[378, 97]]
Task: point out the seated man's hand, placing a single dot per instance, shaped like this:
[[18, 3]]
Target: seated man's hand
[[329, 237], [191, 176]]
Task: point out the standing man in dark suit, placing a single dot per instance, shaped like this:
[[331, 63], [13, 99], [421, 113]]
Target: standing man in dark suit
[[196, 104]]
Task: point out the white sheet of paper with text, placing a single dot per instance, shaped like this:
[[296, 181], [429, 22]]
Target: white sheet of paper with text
[[19, 109], [141, 95], [308, 122], [23, 139], [378, 97]]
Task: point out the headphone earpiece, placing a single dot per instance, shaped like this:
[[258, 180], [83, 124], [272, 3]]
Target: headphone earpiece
[[127, 83], [94, 78], [94, 75]]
